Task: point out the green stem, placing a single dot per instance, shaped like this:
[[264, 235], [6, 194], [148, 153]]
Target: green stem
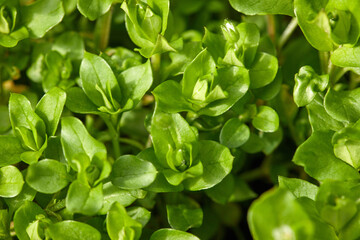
[[324, 62], [115, 135], [271, 28], [132, 142], [254, 174], [287, 33], [335, 73], [102, 30], [155, 64]]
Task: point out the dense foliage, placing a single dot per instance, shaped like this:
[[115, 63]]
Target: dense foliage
[[160, 120]]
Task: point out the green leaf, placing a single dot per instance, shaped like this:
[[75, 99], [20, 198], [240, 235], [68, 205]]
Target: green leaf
[[26, 123], [76, 140], [217, 163], [73, 49], [169, 234], [346, 145], [346, 56], [263, 70], [266, 119], [4, 224], [270, 91], [169, 97], [26, 194], [12, 39], [113, 194], [42, 15], [130, 172], [264, 7], [139, 214], [277, 215], [92, 9], [77, 101], [249, 39], [72, 230], [234, 133], [317, 157], [343, 105], [120, 226], [298, 187], [81, 198], [170, 131], [314, 23], [221, 192], [184, 215], [11, 181], [135, 82], [307, 85], [254, 144], [47, 176], [336, 203], [215, 43], [50, 107], [24, 216], [320, 119], [10, 150], [99, 82]]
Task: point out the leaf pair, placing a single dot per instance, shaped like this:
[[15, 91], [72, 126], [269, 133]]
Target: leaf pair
[[31, 128], [204, 89], [103, 92], [181, 158]]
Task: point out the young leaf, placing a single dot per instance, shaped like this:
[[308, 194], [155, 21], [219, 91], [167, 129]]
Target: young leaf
[[24, 216], [130, 172], [72, 230], [77, 101], [76, 140], [266, 119], [234, 133], [307, 85], [168, 234], [120, 226], [217, 163], [263, 70], [47, 176], [346, 56], [11, 181], [81, 198], [50, 107], [346, 144], [94, 71]]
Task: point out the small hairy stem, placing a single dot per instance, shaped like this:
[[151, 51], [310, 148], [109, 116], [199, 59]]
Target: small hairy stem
[[115, 135], [155, 64], [102, 30], [287, 33]]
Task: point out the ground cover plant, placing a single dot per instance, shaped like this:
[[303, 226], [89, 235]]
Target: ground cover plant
[[179, 119]]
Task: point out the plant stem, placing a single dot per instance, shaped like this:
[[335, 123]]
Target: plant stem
[[102, 30], [155, 64], [271, 28], [287, 33], [254, 174], [335, 73], [115, 135], [324, 61], [132, 142]]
